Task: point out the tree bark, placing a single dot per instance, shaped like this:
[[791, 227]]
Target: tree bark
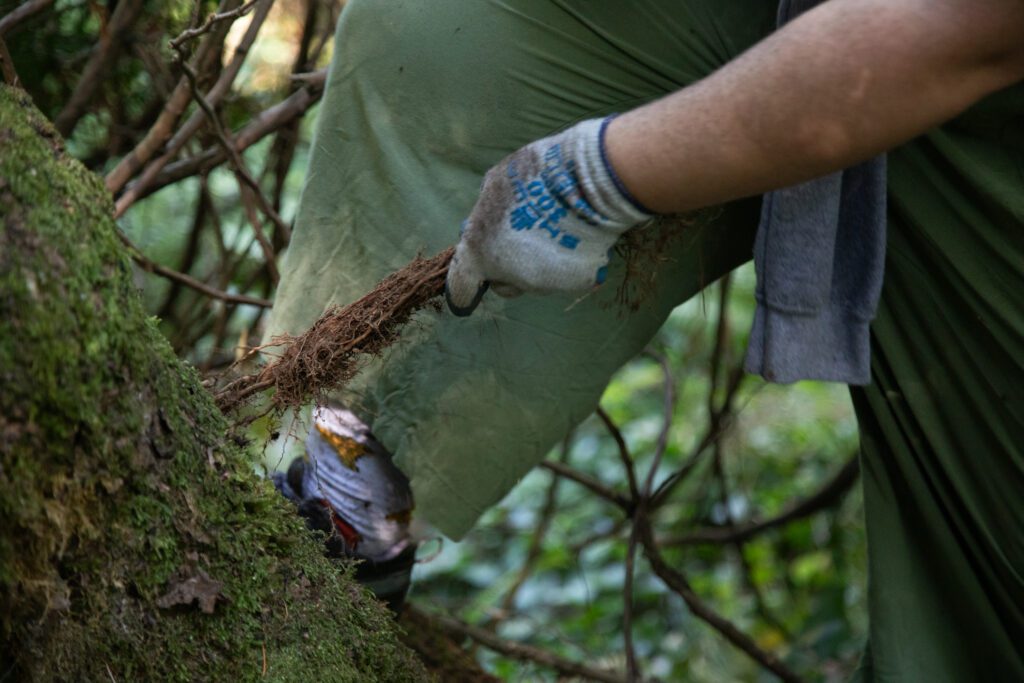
[[136, 541]]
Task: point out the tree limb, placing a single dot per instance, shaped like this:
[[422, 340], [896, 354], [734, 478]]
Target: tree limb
[[521, 651], [829, 494], [624, 455], [589, 482], [174, 107], [7, 71], [188, 280], [24, 11], [98, 66], [265, 123], [678, 583], [547, 513], [211, 20], [117, 178]]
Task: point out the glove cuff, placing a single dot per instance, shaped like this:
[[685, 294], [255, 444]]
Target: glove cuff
[[601, 184], [616, 180]]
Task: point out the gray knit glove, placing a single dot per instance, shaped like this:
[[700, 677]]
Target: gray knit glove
[[546, 220]]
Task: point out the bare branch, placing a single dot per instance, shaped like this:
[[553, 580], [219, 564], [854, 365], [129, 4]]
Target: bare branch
[[247, 195], [8, 23], [98, 66], [522, 652], [24, 11], [668, 409], [827, 496], [119, 176], [640, 515], [174, 107], [720, 422], [270, 120], [204, 205], [241, 170], [676, 581], [229, 16], [7, 71], [188, 280], [624, 455], [547, 513], [721, 340], [608, 534], [313, 78], [589, 482], [633, 670], [719, 356]]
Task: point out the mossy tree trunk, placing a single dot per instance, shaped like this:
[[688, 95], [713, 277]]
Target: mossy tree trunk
[[136, 543]]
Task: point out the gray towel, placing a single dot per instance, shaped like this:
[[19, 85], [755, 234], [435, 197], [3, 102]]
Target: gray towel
[[819, 256]]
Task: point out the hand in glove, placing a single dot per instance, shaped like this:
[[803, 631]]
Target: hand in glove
[[546, 220]]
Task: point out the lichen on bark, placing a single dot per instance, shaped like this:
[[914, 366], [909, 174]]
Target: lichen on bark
[[136, 541]]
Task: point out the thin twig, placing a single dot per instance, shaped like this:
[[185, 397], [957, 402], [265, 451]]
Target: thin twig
[[224, 138], [547, 513], [719, 423], [521, 651], [624, 455], [668, 409], [610, 533], [163, 127], [640, 514], [677, 582], [187, 280], [282, 150], [721, 341], [738, 546], [98, 66], [827, 496], [589, 482], [211, 20], [117, 178], [246, 194], [163, 171], [204, 204], [633, 670], [22, 12], [719, 356]]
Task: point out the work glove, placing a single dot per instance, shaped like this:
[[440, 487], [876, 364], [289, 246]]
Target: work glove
[[546, 220]]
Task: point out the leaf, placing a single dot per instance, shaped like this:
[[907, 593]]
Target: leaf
[[196, 588]]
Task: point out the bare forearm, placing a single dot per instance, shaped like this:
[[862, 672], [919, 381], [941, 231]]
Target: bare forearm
[[840, 84]]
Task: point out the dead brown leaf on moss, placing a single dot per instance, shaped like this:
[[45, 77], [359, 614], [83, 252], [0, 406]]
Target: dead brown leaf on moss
[[198, 587]]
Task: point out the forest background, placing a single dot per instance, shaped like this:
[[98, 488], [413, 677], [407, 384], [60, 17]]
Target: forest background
[[757, 503]]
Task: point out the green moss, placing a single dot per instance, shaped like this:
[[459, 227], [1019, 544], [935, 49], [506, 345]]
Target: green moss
[[119, 478]]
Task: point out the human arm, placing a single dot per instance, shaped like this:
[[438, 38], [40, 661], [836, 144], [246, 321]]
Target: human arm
[[838, 85]]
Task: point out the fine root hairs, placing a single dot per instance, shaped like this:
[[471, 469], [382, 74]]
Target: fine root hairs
[[324, 358]]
